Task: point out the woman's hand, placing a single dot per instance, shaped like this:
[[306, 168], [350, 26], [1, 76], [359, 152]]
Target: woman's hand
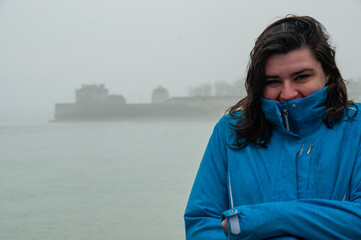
[[224, 225]]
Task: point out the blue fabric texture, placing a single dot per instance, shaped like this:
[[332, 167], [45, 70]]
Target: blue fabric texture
[[305, 185]]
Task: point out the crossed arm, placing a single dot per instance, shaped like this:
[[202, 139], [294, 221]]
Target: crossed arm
[[303, 218]]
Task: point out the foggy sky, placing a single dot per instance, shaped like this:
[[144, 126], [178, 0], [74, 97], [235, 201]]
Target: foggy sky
[[49, 48]]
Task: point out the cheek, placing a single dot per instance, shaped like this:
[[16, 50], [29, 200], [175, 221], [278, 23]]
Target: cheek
[[308, 90], [270, 93]]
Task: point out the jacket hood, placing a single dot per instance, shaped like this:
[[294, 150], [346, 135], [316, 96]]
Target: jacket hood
[[303, 115]]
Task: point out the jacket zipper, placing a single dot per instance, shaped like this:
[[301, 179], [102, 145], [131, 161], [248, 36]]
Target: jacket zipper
[[285, 114]]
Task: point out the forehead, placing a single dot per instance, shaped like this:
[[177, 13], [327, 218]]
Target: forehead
[[290, 62]]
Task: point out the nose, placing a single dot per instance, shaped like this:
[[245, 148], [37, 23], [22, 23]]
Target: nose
[[288, 92]]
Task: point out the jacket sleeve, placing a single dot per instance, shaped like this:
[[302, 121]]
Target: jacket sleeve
[[208, 198], [304, 218]]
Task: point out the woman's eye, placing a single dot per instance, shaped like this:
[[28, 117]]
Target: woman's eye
[[301, 77], [272, 82]]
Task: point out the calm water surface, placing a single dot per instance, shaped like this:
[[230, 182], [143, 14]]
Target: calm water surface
[[98, 180]]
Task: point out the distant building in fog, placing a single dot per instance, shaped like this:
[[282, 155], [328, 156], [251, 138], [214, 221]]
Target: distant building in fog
[[94, 93], [118, 99], [94, 103], [160, 95]]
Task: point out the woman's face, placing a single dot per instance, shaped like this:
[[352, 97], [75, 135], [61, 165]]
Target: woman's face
[[296, 74]]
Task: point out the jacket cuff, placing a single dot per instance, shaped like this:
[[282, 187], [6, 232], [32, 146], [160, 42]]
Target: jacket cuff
[[233, 221]]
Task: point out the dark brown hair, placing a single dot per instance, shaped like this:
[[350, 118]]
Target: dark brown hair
[[283, 36]]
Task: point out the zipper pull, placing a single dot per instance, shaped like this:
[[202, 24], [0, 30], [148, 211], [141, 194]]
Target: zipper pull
[[309, 150], [300, 152], [285, 114]]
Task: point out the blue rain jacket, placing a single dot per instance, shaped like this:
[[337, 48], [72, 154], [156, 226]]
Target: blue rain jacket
[[306, 184]]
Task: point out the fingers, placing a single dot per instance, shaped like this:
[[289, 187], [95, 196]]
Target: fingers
[[224, 225]]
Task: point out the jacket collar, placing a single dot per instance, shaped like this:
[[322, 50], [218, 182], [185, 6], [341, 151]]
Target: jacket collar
[[304, 115]]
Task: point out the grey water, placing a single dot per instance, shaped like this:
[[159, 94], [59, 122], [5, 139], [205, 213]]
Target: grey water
[[117, 180]]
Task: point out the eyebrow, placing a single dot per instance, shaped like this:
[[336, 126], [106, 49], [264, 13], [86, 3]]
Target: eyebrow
[[293, 74]]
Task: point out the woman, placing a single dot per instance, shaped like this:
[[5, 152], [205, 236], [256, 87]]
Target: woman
[[286, 161]]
